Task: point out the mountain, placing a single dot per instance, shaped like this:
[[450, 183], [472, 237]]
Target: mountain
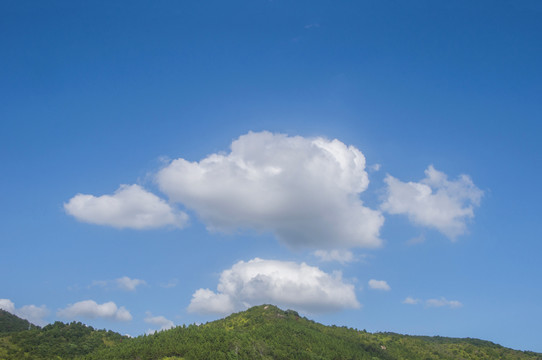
[[261, 332], [267, 332], [12, 323]]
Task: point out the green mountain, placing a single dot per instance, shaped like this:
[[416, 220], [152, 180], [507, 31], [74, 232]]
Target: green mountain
[[262, 332], [266, 332], [12, 323]]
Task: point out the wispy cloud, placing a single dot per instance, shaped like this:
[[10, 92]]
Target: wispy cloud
[[341, 256], [441, 302], [123, 283]]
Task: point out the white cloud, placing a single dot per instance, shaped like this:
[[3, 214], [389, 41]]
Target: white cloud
[[287, 284], [435, 201], [379, 285], [7, 305], [171, 284], [32, 313], [90, 309], [341, 256], [305, 190], [130, 206], [125, 283], [375, 167], [443, 302], [411, 301], [160, 321]]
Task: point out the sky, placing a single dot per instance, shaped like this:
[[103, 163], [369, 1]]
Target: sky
[[370, 164]]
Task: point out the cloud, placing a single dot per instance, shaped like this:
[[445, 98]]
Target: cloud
[[443, 302], [305, 190], [434, 202], [7, 305], [125, 283], [170, 284], [341, 256], [379, 285], [287, 284], [160, 321], [90, 309], [130, 206], [32, 313], [411, 301]]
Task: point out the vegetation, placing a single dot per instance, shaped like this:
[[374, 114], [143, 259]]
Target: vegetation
[[12, 323], [56, 341], [262, 332]]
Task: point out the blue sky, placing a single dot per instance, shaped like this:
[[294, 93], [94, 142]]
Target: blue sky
[[373, 164]]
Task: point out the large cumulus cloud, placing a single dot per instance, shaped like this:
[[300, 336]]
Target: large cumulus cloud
[[287, 284], [305, 190]]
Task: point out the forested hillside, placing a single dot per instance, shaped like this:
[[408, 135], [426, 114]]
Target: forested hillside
[[12, 323], [266, 332], [262, 332], [55, 341]]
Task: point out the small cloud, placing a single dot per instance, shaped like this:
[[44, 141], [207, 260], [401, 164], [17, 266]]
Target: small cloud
[[416, 240], [341, 256], [443, 302], [375, 167], [123, 283], [411, 301], [91, 309], [130, 206], [171, 284], [160, 321], [379, 285], [32, 313], [435, 201], [312, 26]]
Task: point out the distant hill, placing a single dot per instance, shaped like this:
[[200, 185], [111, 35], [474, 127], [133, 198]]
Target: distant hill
[[262, 332], [267, 332], [12, 323], [57, 341]]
